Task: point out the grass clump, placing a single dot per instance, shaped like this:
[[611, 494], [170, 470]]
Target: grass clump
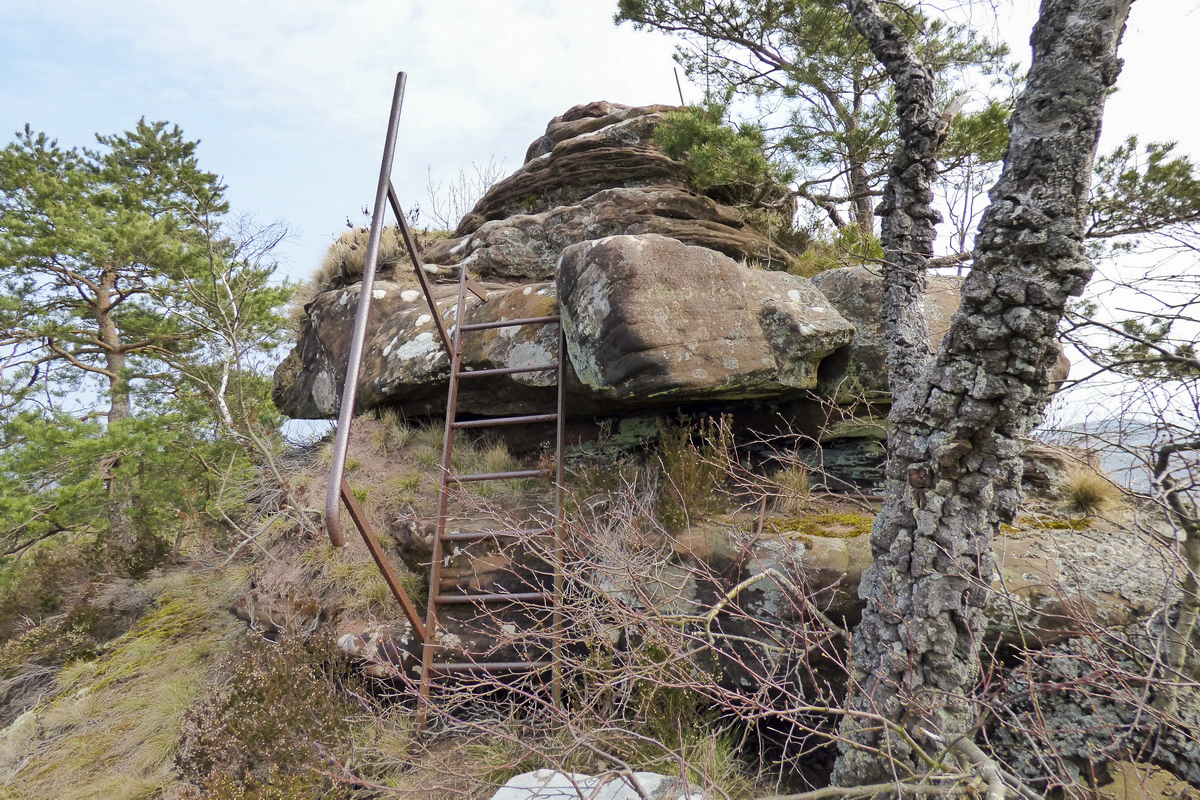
[[693, 471], [793, 489], [124, 704], [1087, 492]]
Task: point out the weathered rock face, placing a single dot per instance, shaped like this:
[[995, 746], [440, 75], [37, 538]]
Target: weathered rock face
[[657, 313], [1053, 584], [527, 246], [649, 317], [859, 372], [620, 152]]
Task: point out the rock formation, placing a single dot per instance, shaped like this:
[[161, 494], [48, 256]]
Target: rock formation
[[671, 301]]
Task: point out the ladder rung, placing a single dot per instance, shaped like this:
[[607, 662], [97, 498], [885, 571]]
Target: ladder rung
[[502, 476], [509, 323], [495, 666], [477, 289], [474, 536], [495, 422], [484, 373], [509, 597]]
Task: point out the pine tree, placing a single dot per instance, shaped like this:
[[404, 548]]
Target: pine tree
[[109, 262]]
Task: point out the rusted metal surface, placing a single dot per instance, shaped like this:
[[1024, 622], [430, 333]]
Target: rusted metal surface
[[557, 622], [502, 476], [498, 371], [548, 600], [496, 422], [492, 666], [480, 599], [429, 651], [414, 256], [338, 492], [511, 323], [381, 561]]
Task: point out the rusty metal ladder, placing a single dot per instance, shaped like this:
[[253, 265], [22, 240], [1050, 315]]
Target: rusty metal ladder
[[451, 482], [340, 494]]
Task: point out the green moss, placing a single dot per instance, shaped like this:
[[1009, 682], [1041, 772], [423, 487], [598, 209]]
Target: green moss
[[1049, 524], [836, 525]]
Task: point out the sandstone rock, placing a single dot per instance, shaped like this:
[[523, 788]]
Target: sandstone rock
[[619, 155], [404, 363], [527, 246], [587, 118], [401, 350], [548, 784], [859, 372], [650, 318]]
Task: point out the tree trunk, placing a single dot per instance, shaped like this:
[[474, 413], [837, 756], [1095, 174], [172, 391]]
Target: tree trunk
[[120, 489], [862, 207], [954, 451]]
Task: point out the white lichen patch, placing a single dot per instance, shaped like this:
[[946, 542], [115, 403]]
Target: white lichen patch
[[420, 345], [378, 294], [528, 290], [794, 295], [409, 295], [424, 319], [432, 269]]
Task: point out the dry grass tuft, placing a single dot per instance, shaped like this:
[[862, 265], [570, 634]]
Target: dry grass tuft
[[348, 254], [793, 489], [345, 259], [126, 706], [1088, 492]]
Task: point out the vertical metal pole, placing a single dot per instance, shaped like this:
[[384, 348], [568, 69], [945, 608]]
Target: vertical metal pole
[[556, 674], [435, 566], [341, 442]]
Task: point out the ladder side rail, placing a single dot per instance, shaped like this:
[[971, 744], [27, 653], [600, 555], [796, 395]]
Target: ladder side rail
[[557, 624], [435, 567], [341, 443], [411, 245]]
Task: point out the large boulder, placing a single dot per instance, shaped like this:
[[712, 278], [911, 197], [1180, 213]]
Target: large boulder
[[528, 246], [859, 372], [405, 365], [650, 317], [619, 154], [649, 321]]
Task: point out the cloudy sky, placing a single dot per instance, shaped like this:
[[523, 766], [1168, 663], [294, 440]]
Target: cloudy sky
[[290, 99]]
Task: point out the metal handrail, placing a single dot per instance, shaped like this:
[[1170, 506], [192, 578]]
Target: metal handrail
[[341, 442], [338, 492]]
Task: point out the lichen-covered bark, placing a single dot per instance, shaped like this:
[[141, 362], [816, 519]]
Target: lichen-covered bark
[[909, 219], [954, 469]]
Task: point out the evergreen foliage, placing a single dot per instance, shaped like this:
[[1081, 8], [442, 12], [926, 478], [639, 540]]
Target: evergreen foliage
[[1142, 190], [828, 101], [135, 318], [725, 162]]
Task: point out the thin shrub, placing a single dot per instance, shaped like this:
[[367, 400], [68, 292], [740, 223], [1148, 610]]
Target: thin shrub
[[284, 708]]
